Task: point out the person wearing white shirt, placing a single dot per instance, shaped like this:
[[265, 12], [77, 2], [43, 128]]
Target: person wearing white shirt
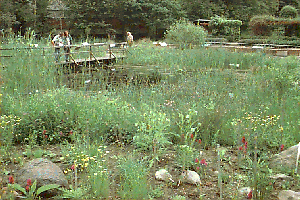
[[57, 42]]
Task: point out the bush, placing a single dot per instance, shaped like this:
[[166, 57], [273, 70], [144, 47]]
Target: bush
[[288, 12], [262, 25], [185, 34], [221, 26]]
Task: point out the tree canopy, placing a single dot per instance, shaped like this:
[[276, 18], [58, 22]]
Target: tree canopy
[[142, 17]]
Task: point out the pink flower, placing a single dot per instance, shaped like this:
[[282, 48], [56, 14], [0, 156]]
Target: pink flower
[[198, 168], [241, 148], [243, 139], [46, 136], [196, 160], [44, 132], [192, 136], [11, 180], [61, 133], [72, 167], [246, 145], [199, 141], [71, 132], [27, 188], [282, 147], [249, 196], [203, 162], [29, 182]]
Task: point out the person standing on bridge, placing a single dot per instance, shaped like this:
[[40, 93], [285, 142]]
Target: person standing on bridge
[[129, 39], [57, 42], [67, 39]]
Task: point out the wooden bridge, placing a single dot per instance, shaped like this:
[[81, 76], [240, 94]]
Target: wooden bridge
[[85, 54], [88, 54]]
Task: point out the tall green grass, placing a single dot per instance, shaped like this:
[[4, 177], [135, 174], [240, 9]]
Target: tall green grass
[[200, 84]]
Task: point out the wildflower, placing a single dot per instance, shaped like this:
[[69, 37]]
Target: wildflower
[[27, 188], [282, 147], [71, 132], [46, 136], [249, 196], [198, 168], [241, 148], [199, 141], [72, 167], [243, 139], [29, 182], [192, 135], [44, 132], [11, 180], [203, 162], [61, 133], [246, 145], [196, 160]]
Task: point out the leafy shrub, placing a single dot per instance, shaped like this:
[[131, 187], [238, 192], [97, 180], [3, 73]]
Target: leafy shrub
[[7, 126], [58, 115], [153, 130], [221, 26], [288, 12], [185, 34], [133, 179], [262, 24]]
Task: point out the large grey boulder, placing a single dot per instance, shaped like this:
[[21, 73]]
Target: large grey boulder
[[285, 159], [44, 172]]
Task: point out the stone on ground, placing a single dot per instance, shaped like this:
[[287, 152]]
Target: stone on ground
[[285, 159], [44, 172], [163, 175], [191, 177], [288, 195]]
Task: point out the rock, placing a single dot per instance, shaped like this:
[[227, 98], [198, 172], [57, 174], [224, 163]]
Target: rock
[[288, 195], [44, 172], [163, 175], [286, 159], [281, 177], [244, 192], [190, 177]]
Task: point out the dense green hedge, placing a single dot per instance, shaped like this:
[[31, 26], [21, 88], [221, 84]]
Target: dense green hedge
[[221, 26]]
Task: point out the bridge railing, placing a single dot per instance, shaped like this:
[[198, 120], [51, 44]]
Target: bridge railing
[[83, 51]]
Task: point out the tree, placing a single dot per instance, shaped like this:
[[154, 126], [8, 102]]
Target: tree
[[288, 12], [186, 34], [142, 17]]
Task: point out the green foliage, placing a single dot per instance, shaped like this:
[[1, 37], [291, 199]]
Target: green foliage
[[72, 193], [133, 179], [152, 130], [7, 127], [262, 24], [33, 191], [154, 16], [288, 12], [222, 26], [185, 34], [186, 156]]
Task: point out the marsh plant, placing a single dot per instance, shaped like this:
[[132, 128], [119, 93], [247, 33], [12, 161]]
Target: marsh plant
[[133, 182], [213, 95]]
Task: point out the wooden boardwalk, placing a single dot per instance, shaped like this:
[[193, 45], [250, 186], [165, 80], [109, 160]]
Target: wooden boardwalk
[[99, 60], [112, 52]]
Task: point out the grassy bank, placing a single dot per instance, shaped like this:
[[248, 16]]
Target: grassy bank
[[215, 96]]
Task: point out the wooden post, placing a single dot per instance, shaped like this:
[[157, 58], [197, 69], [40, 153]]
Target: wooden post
[[90, 61], [109, 50]]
